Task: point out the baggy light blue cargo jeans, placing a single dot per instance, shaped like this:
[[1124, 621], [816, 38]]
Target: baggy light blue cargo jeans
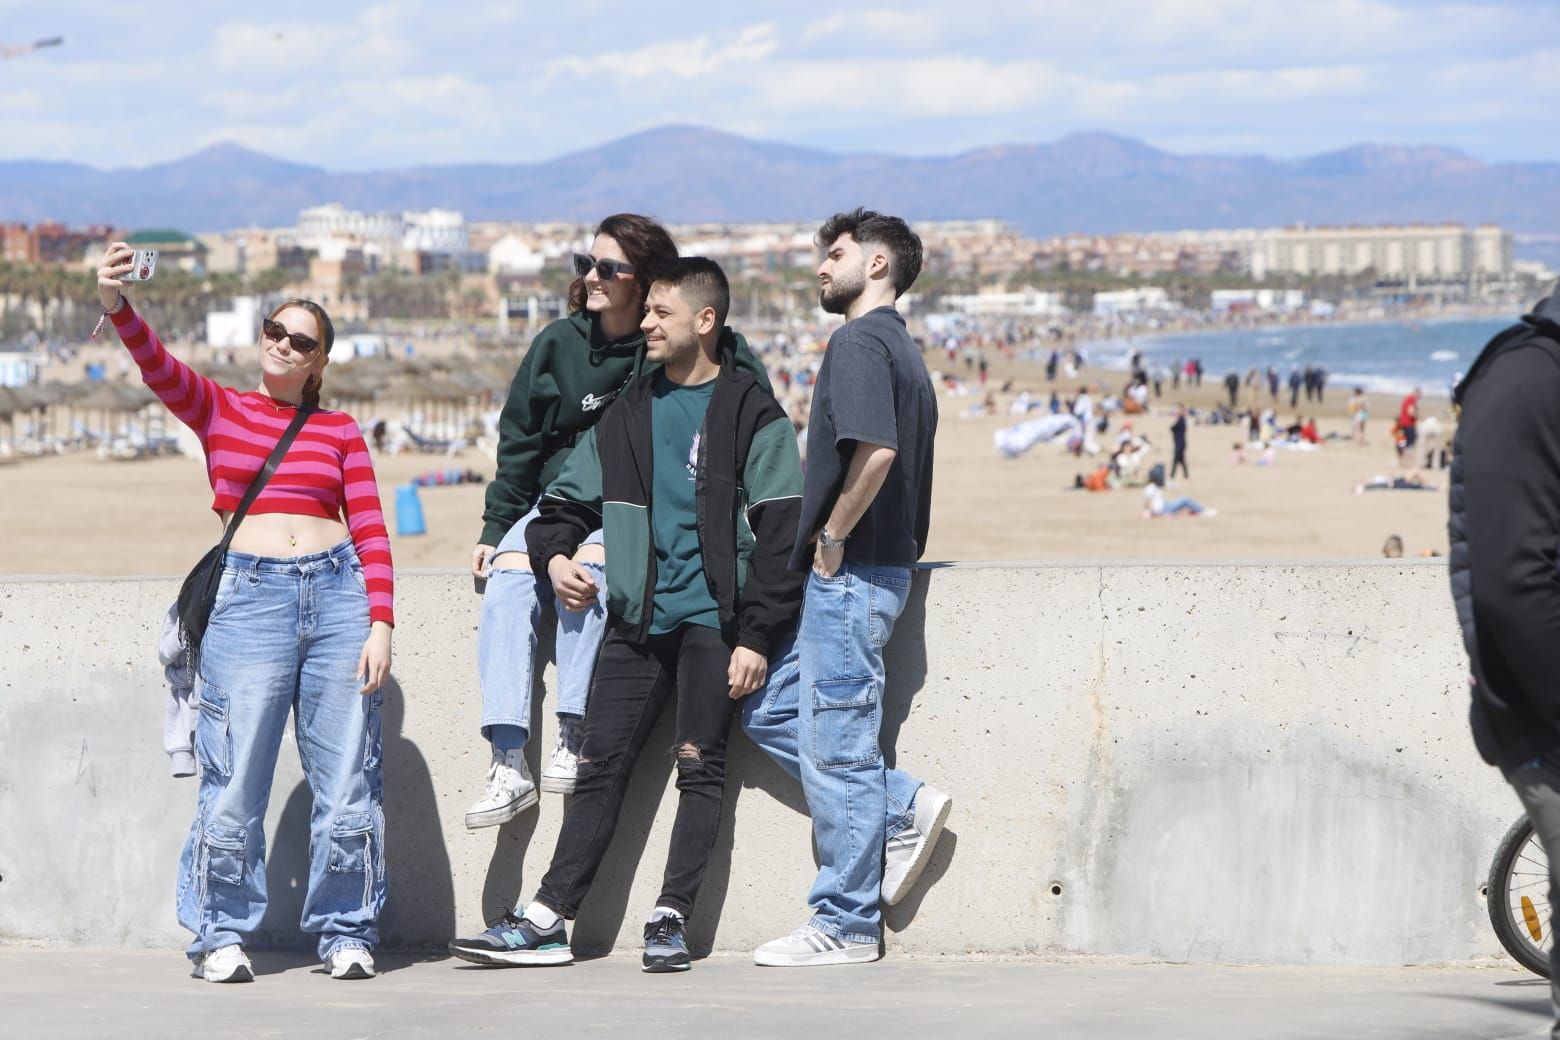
[[285, 636], [819, 716]]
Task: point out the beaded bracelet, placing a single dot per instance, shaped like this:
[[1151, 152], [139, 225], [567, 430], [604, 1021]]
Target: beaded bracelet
[[119, 301]]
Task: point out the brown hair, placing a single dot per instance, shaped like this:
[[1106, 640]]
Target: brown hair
[[648, 246], [311, 389]]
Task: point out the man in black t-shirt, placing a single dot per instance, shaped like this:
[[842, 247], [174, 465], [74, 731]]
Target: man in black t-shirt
[[866, 510]]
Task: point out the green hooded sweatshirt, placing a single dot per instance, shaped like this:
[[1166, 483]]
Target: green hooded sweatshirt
[[569, 375]]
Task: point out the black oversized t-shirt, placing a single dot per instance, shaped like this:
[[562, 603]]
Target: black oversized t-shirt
[[872, 387]]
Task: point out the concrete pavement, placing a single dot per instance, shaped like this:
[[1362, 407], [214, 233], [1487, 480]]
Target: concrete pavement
[[61, 994]]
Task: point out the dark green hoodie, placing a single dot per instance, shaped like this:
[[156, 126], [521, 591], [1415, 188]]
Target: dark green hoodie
[[570, 373]]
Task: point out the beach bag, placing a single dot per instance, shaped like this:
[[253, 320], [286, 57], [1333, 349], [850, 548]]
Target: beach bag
[[198, 594]]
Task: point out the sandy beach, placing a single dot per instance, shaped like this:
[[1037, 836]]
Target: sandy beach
[[82, 515]]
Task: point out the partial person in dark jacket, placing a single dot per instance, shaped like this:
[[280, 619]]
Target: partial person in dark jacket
[[574, 368], [695, 477], [1504, 525]]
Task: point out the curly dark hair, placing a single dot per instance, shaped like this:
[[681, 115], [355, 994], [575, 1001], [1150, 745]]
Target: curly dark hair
[[648, 246], [892, 233]]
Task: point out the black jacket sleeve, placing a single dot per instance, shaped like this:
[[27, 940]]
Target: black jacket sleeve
[[772, 595], [1510, 438], [569, 511]]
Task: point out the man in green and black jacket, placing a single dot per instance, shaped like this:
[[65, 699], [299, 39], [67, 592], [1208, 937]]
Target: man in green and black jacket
[[570, 374], [695, 477]]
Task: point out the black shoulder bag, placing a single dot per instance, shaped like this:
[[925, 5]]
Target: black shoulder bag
[[198, 594]]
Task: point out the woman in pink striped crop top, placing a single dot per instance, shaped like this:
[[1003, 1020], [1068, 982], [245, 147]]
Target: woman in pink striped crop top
[[301, 625]]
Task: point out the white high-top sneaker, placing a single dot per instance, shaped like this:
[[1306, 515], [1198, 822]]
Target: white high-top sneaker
[[510, 791], [563, 767]]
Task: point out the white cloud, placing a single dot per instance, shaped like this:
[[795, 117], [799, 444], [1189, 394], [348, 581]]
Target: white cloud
[[691, 58], [899, 28]]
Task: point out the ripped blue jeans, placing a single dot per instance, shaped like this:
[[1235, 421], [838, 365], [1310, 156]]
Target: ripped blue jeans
[[285, 637], [512, 612]]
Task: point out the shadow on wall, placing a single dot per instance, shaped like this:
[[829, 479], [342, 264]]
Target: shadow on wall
[[504, 886], [904, 662], [420, 910], [604, 910]]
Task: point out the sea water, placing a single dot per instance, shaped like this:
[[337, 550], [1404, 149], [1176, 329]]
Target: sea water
[[1388, 356]]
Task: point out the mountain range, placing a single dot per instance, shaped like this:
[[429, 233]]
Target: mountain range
[[1093, 182]]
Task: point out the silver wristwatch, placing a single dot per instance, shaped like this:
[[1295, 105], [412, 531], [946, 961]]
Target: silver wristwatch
[[827, 542]]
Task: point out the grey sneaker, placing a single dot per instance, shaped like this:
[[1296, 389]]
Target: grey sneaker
[[510, 791], [906, 854], [809, 947]]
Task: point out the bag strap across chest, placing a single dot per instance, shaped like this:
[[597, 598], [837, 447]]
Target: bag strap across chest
[[271, 463]]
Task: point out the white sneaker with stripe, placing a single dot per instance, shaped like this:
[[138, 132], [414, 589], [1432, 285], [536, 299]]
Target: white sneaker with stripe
[[906, 854], [808, 947]]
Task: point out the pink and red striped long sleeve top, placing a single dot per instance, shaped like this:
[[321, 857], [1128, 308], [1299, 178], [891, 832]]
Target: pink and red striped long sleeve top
[[326, 473]]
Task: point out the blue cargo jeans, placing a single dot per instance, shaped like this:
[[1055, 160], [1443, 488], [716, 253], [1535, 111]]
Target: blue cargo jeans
[[818, 717], [285, 637], [506, 638]]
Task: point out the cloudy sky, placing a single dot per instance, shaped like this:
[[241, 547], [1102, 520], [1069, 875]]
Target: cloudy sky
[[374, 85]]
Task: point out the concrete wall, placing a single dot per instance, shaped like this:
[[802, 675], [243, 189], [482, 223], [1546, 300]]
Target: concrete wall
[[1211, 763]]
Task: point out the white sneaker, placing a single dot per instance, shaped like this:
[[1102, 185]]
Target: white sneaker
[[808, 947], [229, 964], [351, 962], [906, 854], [563, 767], [510, 791]]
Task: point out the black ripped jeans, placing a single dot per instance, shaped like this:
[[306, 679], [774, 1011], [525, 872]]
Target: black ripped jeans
[[631, 685]]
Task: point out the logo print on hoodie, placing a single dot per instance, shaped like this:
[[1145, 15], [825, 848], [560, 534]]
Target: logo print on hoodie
[[590, 402]]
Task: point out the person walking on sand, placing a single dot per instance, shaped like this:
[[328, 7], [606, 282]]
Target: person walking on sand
[[1359, 415], [1178, 440], [1408, 429]]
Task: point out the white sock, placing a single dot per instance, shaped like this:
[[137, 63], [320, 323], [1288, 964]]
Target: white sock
[[541, 916], [665, 911]]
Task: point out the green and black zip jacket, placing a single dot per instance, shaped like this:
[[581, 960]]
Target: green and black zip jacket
[[569, 375], [748, 489]]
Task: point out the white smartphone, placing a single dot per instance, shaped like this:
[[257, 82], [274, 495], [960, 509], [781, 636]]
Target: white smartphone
[[143, 268]]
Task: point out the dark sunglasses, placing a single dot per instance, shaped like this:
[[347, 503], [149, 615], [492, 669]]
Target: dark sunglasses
[[606, 269], [275, 331]]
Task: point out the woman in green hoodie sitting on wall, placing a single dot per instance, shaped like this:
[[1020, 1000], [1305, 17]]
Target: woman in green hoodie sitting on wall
[[573, 369]]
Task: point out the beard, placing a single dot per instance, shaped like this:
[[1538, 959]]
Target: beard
[[844, 289]]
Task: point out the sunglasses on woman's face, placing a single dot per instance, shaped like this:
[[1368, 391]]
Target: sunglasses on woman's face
[[275, 331], [606, 269]]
